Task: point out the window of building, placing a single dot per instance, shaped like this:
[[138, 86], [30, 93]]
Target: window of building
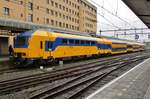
[[37, 19], [56, 5], [47, 1], [67, 9], [52, 12], [67, 17], [56, 23], [60, 6], [6, 11], [60, 24], [38, 7], [70, 10], [72, 19], [63, 16], [64, 8], [47, 10], [60, 15], [73, 4], [21, 2], [30, 18], [66, 25], [21, 15], [52, 3], [30, 6], [73, 27], [70, 26], [52, 22], [56, 14], [67, 1], [47, 21]]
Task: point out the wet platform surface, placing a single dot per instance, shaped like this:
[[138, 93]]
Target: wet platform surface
[[4, 59], [134, 84]]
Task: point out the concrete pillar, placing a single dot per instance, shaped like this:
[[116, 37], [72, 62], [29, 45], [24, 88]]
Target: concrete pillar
[[11, 41]]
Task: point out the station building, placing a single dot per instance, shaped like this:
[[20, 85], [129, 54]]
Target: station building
[[17, 16]]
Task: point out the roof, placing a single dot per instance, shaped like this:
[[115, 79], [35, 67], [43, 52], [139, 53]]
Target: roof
[[141, 8], [43, 32], [89, 4]]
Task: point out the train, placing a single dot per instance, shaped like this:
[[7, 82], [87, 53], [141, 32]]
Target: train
[[45, 46]]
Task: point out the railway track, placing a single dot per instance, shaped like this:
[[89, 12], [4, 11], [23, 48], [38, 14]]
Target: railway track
[[19, 83], [77, 71], [12, 69], [71, 89]]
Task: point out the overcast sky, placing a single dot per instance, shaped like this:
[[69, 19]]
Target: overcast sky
[[117, 7]]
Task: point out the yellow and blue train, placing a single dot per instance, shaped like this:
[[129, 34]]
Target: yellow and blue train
[[45, 46]]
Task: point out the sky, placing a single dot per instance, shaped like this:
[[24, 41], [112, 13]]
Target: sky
[[107, 21]]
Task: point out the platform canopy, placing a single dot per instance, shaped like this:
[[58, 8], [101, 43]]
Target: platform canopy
[[16, 26], [141, 8]]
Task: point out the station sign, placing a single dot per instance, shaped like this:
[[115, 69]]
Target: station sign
[[136, 37]]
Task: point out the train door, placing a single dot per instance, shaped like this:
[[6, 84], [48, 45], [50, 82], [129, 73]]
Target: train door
[[41, 49], [48, 48]]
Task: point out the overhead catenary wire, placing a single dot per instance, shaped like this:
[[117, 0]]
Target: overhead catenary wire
[[117, 8], [130, 29], [110, 5], [111, 13], [134, 34], [107, 24], [109, 21]]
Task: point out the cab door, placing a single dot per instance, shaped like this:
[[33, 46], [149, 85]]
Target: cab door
[[48, 49]]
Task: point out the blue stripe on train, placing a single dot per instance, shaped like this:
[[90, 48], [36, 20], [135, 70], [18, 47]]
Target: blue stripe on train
[[53, 45]]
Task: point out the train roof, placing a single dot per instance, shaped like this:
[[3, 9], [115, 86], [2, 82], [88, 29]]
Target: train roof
[[54, 34]]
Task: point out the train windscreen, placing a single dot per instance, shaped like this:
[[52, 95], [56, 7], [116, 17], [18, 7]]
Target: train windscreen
[[21, 41]]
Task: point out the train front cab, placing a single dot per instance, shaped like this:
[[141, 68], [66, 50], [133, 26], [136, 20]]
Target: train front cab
[[30, 47]]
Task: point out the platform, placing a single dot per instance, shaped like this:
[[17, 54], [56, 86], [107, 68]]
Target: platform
[[134, 84], [4, 59]]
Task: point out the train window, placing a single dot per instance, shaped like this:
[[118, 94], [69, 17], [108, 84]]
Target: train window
[[93, 42], [41, 45], [76, 41], [64, 41], [82, 42], [49, 44], [71, 41], [87, 42]]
